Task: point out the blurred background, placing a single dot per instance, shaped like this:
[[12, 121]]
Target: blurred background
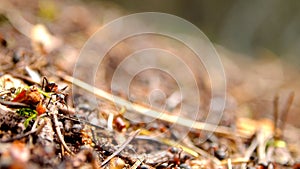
[[243, 26], [258, 41]]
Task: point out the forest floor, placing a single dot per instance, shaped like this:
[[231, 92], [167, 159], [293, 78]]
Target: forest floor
[[45, 123]]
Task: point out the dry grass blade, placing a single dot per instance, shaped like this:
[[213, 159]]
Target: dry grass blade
[[190, 149], [286, 109], [276, 100], [250, 151], [235, 161], [138, 162], [168, 142], [165, 116], [229, 165], [121, 148]]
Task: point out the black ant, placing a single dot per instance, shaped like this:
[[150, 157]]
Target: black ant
[[53, 87]]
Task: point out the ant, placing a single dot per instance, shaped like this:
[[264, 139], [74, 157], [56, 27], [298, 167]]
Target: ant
[[177, 160], [53, 88], [50, 87]]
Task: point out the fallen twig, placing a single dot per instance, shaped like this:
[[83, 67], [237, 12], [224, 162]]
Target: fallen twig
[[13, 104], [165, 116], [120, 148], [58, 132], [81, 121], [18, 137]]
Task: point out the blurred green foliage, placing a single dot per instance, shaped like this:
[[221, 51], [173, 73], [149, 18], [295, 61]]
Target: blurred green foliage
[[242, 26]]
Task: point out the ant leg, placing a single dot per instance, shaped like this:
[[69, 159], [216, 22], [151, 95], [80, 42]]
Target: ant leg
[[179, 154], [44, 83], [63, 89], [65, 100], [50, 99]]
